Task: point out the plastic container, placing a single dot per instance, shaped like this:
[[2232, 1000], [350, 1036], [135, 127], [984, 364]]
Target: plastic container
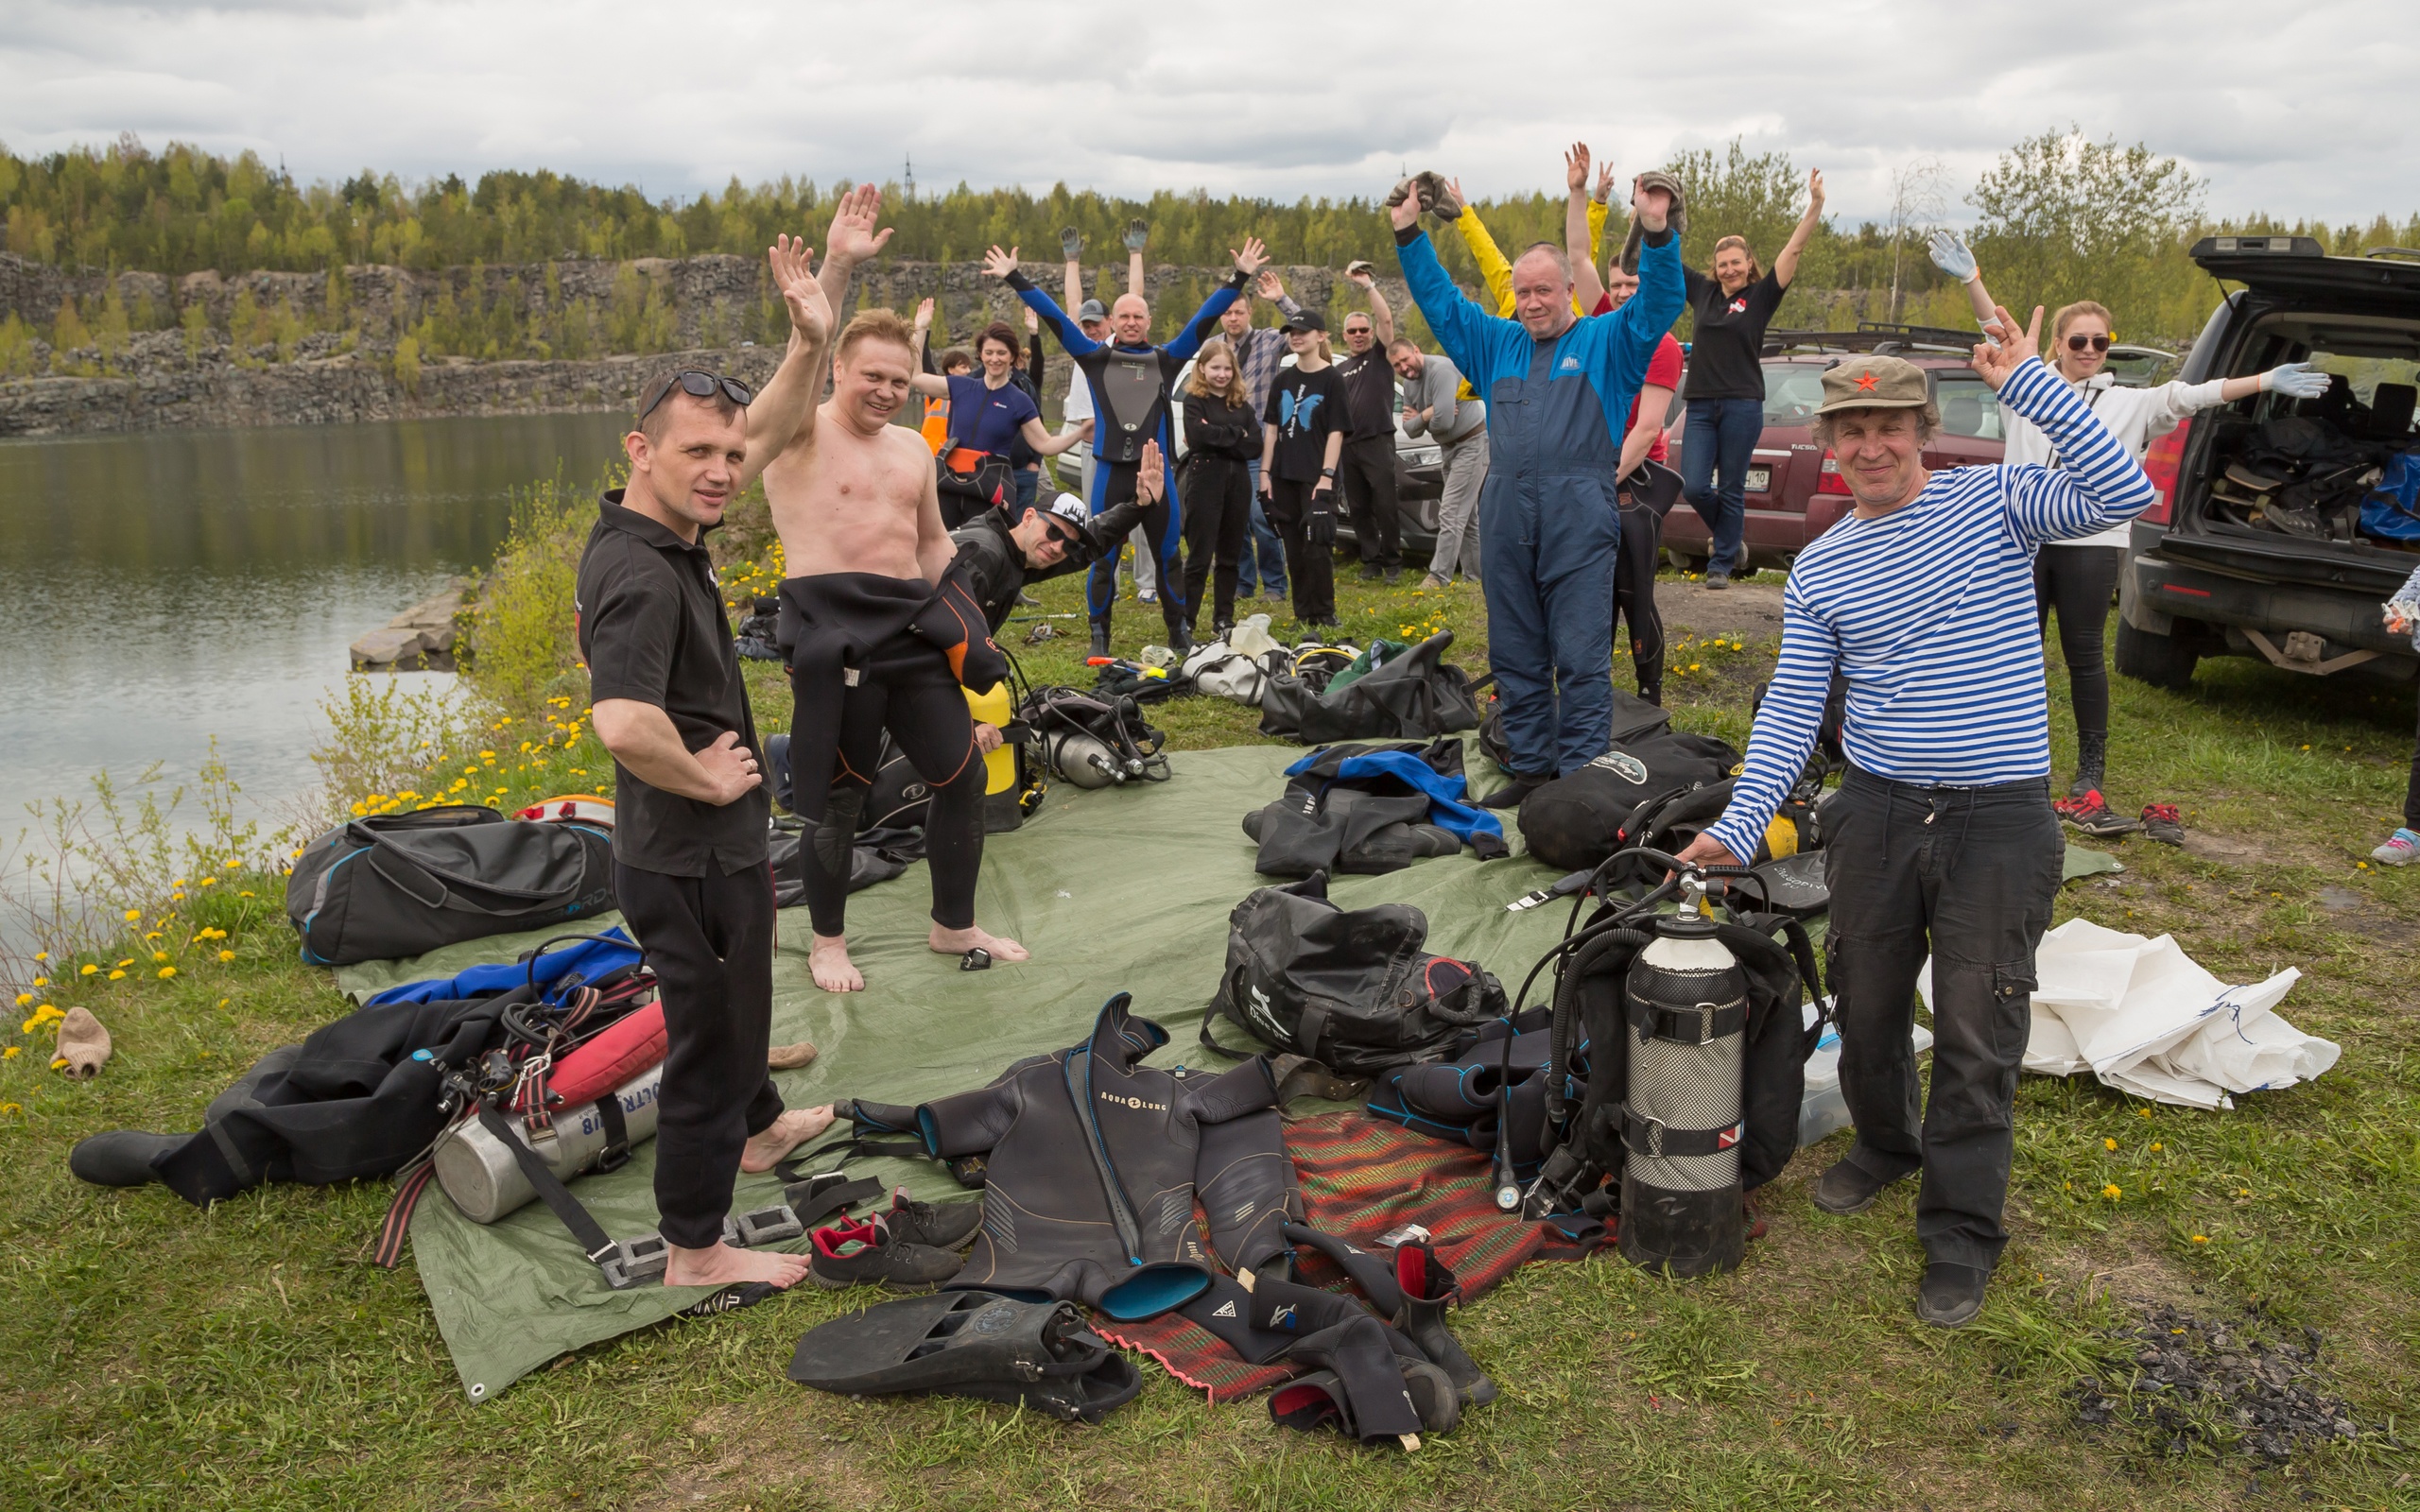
[[1822, 1111]]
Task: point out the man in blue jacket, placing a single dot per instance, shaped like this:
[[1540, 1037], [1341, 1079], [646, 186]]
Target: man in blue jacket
[[1558, 391]]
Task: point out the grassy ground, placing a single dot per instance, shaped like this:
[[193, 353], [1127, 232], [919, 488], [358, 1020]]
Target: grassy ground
[[249, 1356]]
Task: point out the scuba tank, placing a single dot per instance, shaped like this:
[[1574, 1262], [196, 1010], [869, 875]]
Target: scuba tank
[[1082, 759], [486, 1182], [1680, 1126]]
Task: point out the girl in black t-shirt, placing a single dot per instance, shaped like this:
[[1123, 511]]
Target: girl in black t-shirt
[[1303, 433], [1726, 382]]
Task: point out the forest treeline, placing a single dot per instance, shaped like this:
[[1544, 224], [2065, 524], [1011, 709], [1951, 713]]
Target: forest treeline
[[2059, 217]]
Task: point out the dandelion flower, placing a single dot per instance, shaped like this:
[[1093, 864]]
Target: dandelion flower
[[117, 976], [25, 999], [2108, 1145], [42, 955], [157, 957], [166, 971], [209, 882], [226, 956], [2156, 1146], [42, 981], [243, 895], [86, 969], [2200, 1239], [10, 1107], [9, 1054], [2112, 1191], [129, 961], [134, 915]]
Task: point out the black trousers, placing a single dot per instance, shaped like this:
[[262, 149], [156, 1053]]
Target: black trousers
[[1635, 597], [926, 715], [2412, 792], [710, 942], [1366, 471], [1969, 875], [1218, 518], [1311, 568], [2077, 583]]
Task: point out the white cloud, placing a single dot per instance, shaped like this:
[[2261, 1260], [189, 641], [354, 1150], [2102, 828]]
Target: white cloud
[[2297, 111]]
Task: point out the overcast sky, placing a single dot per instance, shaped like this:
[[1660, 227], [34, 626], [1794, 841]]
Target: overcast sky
[[2296, 109]]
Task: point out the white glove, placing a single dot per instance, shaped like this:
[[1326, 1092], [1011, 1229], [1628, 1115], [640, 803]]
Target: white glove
[[2295, 380], [1950, 255]]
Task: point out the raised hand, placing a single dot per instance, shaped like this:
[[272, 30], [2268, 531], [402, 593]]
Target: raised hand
[[1653, 206], [1603, 188], [1462, 202], [1253, 257], [2010, 345], [1405, 212], [1361, 274], [1032, 321], [925, 313], [1149, 480], [1949, 254], [999, 264], [1268, 287], [852, 238], [794, 275], [1139, 235], [2295, 380], [1575, 166], [1814, 190], [1071, 244]]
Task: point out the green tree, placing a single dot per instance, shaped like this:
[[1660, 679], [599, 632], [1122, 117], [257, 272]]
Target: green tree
[[2064, 217]]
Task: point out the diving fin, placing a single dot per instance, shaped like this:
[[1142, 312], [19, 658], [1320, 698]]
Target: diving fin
[[970, 1344]]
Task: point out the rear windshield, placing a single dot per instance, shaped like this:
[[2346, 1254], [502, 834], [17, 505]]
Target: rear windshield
[[2374, 361], [1792, 392]]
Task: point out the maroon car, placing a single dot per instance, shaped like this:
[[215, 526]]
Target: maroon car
[[1794, 491]]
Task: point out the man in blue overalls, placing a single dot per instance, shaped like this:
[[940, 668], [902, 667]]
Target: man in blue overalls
[[1558, 392]]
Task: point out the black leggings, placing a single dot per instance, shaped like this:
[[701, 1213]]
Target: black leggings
[[2411, 793], [928, 716], [1635, 598], [1311, 568], [1218, 516], [710, 943], [2077, 583]]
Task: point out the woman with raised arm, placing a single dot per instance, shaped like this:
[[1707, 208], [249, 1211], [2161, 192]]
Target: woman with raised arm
[[990, 414], [1726, 383], [2078, 579]]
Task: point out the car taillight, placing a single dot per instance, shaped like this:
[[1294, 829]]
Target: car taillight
[[2160, 464], [1829, 479]]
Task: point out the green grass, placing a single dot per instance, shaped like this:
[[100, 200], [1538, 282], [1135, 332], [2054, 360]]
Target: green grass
[[249, 1356]]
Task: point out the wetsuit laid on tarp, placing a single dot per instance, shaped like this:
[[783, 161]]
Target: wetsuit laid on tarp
[[1130, 389], [1549, 524], [1092, 1161]]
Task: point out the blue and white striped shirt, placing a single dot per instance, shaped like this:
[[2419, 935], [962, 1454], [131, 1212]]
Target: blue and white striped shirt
[[1928, 613]]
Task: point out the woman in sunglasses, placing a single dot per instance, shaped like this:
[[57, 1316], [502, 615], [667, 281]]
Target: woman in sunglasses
[[2076, 580]]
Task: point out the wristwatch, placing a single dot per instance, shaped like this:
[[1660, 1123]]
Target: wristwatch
[[1327, 472]]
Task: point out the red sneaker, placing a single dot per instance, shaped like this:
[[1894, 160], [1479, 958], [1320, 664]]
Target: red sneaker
[[2160, 823], [2092, 815]]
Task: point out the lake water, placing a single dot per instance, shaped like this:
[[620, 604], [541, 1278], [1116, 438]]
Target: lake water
[[166, 587]]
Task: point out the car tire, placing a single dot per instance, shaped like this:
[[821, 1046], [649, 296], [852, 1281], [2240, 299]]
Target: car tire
[[2161, 661], [1683, 562]]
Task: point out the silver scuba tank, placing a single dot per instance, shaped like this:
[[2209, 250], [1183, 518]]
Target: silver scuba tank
[[1681, 1124], [484, 1179], [1084, 760]]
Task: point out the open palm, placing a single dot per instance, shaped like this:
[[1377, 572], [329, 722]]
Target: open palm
[[853, 237], [794, 275], [999, 264]]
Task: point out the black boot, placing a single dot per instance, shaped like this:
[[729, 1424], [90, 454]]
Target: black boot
[[2092, 761], [1428, 1287], [1101, 637]]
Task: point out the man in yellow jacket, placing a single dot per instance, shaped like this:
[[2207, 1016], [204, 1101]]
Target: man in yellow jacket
[[1492, 265]]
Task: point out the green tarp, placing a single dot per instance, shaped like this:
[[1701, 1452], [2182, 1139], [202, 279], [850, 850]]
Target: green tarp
[[1117, 890]]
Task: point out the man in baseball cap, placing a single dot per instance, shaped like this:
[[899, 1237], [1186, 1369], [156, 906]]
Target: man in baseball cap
[[1943, 841], [1003, 556]]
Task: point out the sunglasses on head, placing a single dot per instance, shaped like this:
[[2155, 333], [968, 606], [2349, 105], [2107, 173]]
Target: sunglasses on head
[[699, 384], [2094, 343]]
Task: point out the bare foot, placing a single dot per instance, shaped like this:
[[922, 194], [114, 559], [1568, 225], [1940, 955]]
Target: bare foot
[[721, 1265], [829, 961], [959, 941], [784, 1134]]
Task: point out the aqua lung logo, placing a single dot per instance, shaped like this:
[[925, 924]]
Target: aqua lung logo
[[1624, 765], [1135, 1102]]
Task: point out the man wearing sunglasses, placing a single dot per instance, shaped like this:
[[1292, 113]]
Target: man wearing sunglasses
[[690, 852], [1002, 558]]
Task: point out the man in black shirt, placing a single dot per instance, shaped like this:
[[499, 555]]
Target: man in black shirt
[[1368, 467], [690, 812], [1302, 432]]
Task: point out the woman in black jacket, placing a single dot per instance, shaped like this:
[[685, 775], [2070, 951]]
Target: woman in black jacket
[[1221, 437]]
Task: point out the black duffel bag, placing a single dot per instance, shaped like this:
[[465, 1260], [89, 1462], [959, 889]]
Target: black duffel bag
[[401, 884], [1579, 819], [1353, 990], [1415, 697]]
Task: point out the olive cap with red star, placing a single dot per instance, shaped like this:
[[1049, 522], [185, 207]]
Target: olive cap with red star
[[1873, 383]]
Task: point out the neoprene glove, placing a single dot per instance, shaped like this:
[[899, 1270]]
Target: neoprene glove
[[1318, 525], [1139, 235], [1071, 242], [1950, 255], [2295, 380]]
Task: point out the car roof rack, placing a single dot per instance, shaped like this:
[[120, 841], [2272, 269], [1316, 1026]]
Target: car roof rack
[[1879, 336], [2414, 253]]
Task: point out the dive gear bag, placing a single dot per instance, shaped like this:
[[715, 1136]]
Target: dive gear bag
[[1354, 990], [1577, 820], [394, 885], [1415, 696]]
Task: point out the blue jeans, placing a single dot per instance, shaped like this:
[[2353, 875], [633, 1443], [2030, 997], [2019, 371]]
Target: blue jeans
[[1720, 433], [1264, 543], [1028, 480]]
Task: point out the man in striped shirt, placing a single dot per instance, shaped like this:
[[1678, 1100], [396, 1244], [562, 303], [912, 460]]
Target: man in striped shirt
[[1941, 839]]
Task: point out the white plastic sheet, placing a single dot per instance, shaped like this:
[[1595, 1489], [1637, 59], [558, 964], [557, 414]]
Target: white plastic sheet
[[2144, 1017]]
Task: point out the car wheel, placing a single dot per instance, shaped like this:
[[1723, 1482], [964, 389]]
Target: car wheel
[[1683, 562], [2161, 661]]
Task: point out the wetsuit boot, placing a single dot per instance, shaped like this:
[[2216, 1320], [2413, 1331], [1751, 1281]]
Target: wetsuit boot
[[1101, 637], [1371, 1272], [1428, 1288]]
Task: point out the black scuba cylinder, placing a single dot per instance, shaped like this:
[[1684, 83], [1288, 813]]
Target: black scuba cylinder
[[1683, 1120]]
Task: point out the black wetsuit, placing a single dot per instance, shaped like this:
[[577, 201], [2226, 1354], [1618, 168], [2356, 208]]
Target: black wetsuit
[[1094, 1163], [870, 653], [1130, 389], [997, 570], [1222, 442]]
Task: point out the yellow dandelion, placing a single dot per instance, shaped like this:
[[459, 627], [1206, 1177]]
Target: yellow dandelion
[[129, 961], [226, 956], [12, 1108], [2200, 1239], [2156, 1146], [166, 971], [42, 955], [2108, 1145], [9, 1054], [157, 957], [117, 976], [86, 969], [244, 895], [42, 981], [209, 882], [135, 915], [25, 999], [2112, 1191]]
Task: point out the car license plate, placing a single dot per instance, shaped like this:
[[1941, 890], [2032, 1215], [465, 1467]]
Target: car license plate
[[1759, 479]]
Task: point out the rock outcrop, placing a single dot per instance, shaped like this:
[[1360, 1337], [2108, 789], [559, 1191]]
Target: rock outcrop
[[423, 637]]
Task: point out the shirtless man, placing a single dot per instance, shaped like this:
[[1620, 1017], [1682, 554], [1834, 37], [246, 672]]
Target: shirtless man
[[882, 642]]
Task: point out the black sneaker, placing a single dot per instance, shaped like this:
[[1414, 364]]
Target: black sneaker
[[867, 1253], [1395, 575], [1951, 1295], [938, 1224], [2161, 823], [1716, 579], [1370, 571], [1847, 1188]]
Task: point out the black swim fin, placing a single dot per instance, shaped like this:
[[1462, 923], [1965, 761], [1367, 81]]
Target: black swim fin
[[971, 1344]]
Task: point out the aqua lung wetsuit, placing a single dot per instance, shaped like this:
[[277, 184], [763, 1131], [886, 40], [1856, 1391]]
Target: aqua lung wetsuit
[[1094, 1163], [1130, 389], [1548, 522]]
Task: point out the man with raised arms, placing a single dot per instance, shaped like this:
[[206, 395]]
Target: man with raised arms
[[689, 847], [880, 639]]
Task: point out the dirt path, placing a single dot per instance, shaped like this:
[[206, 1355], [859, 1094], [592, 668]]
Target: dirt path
[[1751, 608]]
